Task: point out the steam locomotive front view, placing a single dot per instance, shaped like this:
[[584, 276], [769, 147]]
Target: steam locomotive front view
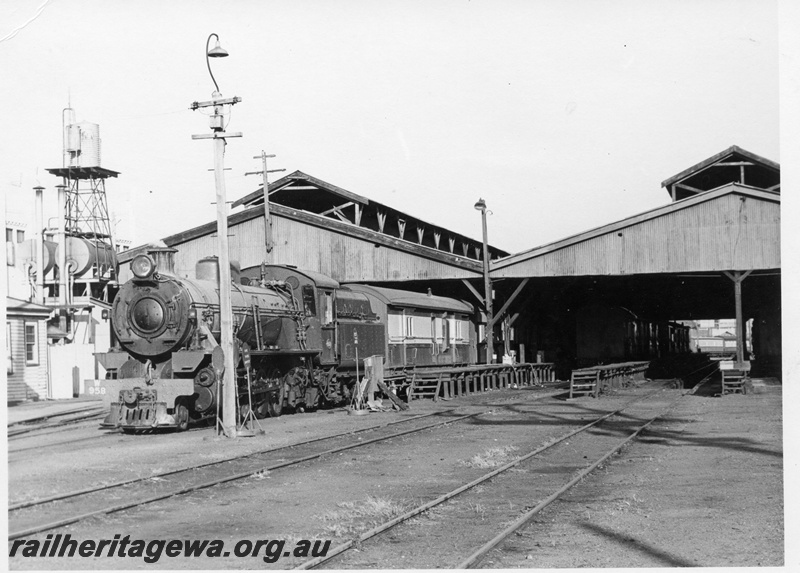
[[166, 329]]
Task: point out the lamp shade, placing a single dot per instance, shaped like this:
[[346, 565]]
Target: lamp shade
[[217, 51]]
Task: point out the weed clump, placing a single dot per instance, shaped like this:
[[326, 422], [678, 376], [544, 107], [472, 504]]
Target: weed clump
[[355, 517], [491, 458]]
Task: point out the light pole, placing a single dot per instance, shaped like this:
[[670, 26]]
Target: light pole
[[217, 124], [487, 285]]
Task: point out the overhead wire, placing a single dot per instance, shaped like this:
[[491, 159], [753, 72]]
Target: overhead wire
[[18, 29]]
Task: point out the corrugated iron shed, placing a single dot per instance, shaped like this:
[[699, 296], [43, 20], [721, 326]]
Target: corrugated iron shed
[[342, 250], [734, 227]]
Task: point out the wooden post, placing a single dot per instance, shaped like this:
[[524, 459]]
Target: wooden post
[[225, 310], [268, 244], [267, 220], [737, 278]]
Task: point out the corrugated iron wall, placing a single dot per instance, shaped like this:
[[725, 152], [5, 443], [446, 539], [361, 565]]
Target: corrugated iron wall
[[337, 255], [731, 232]]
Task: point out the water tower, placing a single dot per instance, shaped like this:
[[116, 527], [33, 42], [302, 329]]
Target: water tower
[[85, 243]]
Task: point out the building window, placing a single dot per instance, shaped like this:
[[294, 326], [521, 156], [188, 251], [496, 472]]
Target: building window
[[20, 236], [9, 235], [9, 354], [31, 344]]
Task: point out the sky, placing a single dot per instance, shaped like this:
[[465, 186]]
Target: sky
[[562, 115]]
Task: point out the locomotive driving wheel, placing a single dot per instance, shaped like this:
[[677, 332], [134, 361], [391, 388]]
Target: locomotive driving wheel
[[181, 416], [275, 401], [272, 402]]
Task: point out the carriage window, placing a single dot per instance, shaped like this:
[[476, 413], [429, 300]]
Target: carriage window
[[395, 326], [309, 304], [421, 328]]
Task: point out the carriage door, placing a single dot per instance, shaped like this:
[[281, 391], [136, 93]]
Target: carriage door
[[328, 355]]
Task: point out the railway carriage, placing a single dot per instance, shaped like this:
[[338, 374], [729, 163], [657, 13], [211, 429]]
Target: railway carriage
[[423, 329]]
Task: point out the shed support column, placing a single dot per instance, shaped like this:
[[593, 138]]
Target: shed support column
[[737, 278]]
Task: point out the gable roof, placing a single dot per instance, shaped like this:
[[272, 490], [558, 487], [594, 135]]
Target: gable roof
[[733, 165], [503, 266], [18, 307], [304, 192]]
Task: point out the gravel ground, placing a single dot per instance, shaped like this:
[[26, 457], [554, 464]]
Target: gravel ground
[[702, 488]]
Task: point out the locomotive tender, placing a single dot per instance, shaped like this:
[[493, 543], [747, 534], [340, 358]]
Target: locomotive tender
[[302, 334]]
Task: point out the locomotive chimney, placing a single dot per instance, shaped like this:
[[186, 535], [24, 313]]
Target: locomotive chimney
[[164, 258]]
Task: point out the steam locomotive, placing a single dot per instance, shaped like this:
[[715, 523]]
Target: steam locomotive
[[300, 335]]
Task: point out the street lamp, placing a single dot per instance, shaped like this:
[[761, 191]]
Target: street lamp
[[487, 285], [217, 124], [216, 52]]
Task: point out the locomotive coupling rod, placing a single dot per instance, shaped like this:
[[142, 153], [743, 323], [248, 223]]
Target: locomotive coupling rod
[[230, 100]]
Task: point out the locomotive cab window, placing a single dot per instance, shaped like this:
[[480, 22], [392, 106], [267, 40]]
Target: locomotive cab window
[[309, 302], [326, 300]]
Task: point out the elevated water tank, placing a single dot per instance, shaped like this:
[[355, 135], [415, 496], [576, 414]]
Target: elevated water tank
[[90, 145], [82, 144]]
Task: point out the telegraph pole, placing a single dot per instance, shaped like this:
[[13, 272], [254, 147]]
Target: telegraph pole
[[267, 221], [218, 134]]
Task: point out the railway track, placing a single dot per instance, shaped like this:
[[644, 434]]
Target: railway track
[[25, 517], [551, 470], [54, 421]]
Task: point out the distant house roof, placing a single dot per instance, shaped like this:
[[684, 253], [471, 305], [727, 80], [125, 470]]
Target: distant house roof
[[733, 165], [17, 307]]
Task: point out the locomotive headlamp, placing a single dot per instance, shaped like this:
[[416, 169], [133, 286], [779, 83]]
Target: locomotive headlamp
[[143, 267]]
